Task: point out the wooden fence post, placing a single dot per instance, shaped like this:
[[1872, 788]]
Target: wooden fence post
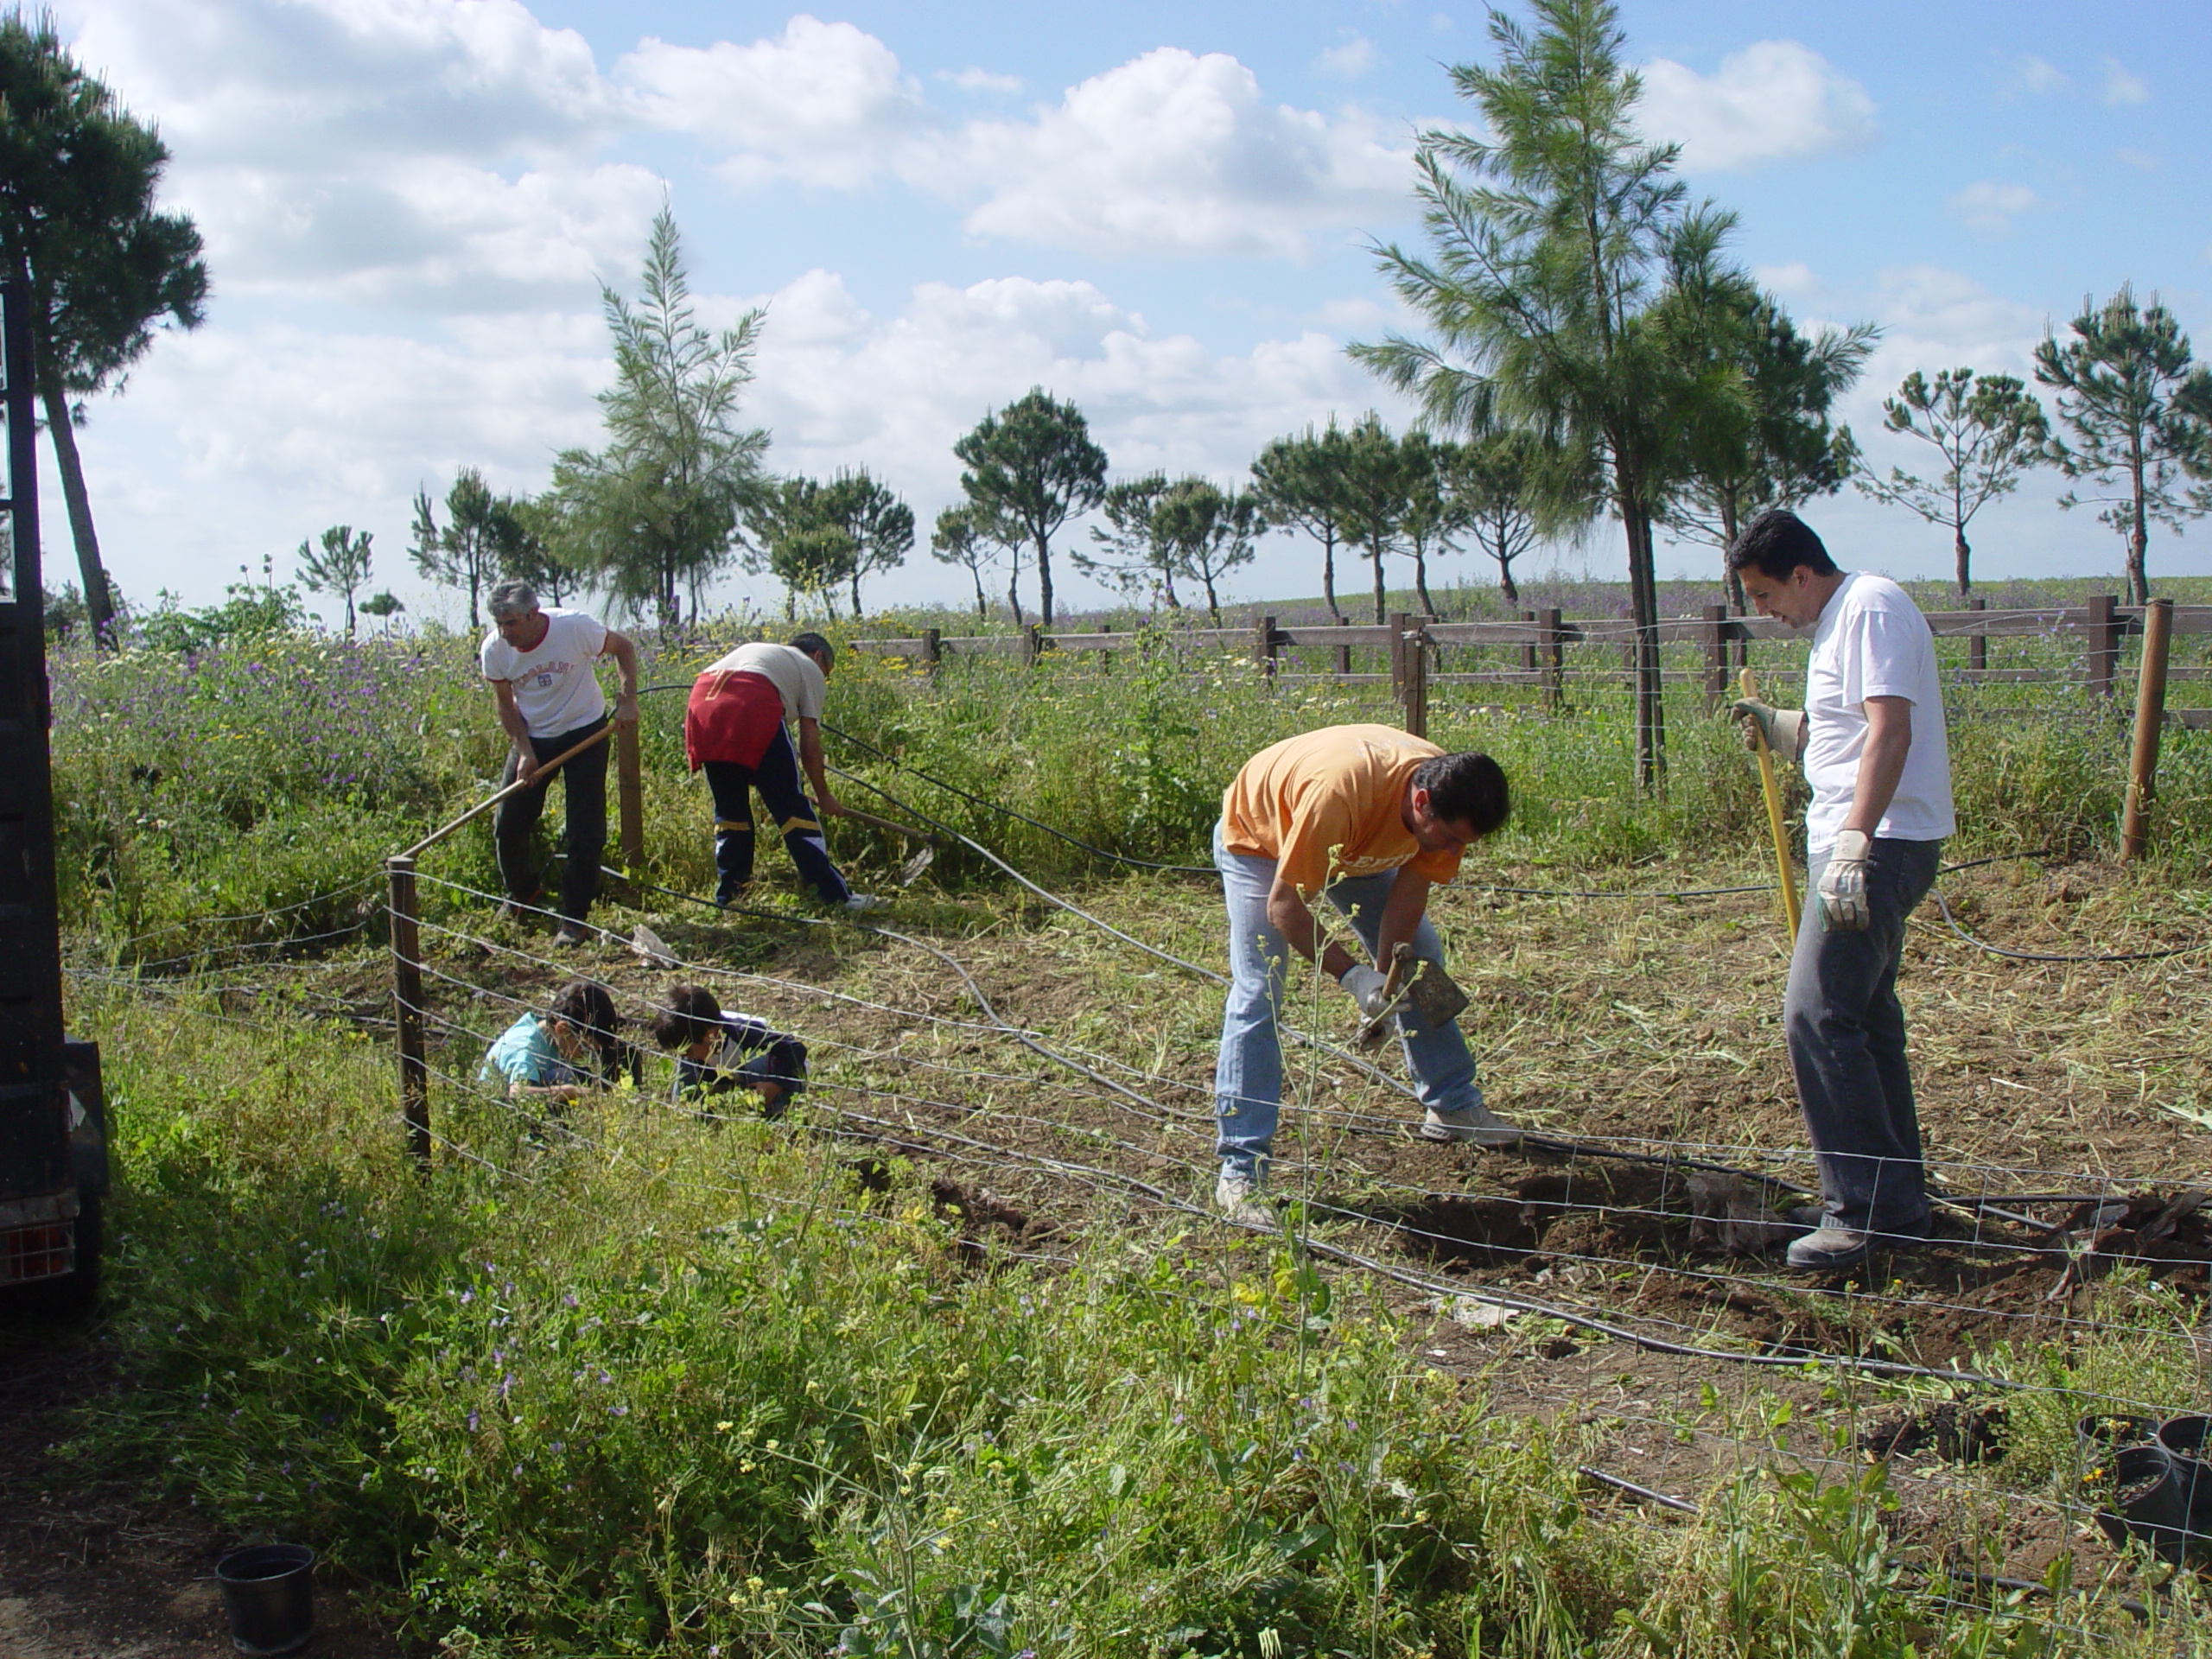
[[1978, 644], [1105, 655], [630, 794], [1415, 662], [2150, 717], [932, 649], [1529, 651], [2104, 644], [1554, 658], [1344, 652], [1716, 655], [407, 1008], [1263, 648], [1399, 622], [1036, 634]]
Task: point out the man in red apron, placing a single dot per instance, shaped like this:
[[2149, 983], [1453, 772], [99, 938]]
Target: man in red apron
[[734, 730]]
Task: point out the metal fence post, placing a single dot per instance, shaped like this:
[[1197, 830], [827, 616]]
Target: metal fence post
[[2150, 717], [1414, 662], [407, 1008], [2104, 643]]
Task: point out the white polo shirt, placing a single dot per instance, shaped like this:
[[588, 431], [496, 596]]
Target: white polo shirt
[[1872, 641], [554, 685]]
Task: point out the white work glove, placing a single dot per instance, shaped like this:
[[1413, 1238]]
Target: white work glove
[[1783, 729], [1843, 884], [1368, 989]]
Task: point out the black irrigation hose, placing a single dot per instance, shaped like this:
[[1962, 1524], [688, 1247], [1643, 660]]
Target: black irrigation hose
[[1951, 921]]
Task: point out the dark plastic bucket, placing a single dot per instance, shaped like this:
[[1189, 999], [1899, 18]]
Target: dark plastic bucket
[[269, 1592], [2184, 1439], [2146, 1501]]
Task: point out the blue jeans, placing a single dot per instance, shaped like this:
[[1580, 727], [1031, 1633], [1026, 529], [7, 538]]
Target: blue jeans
[[1248, 1077], [1847, 1045]]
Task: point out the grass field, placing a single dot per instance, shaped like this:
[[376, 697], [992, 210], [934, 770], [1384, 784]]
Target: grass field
[[951, 1361]]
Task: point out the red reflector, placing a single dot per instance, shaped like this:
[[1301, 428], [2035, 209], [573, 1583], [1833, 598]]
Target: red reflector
[[44, 1252]]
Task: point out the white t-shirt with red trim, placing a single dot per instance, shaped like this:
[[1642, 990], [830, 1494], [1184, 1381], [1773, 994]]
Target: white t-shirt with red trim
[[554, 683]]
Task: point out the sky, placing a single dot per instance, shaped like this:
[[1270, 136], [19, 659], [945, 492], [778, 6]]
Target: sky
[[1166, 213]]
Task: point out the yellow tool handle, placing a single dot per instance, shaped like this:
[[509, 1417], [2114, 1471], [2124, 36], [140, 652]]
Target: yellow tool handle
[[1789, 908]]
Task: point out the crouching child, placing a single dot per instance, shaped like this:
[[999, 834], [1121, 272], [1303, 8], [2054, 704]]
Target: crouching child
[[716, 1052], [551, 1058]]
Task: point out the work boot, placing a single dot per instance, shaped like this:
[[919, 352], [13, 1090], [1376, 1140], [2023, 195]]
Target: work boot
[[568, 935], [521, 910], [1830, 1249], [727, 892], [1238, 1197], [861, 902], [1476, 1123]]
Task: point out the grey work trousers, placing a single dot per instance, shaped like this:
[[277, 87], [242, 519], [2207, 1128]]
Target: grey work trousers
[[1847, 1045]]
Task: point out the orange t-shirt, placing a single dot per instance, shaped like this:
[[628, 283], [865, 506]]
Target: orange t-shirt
[[1326, 805]]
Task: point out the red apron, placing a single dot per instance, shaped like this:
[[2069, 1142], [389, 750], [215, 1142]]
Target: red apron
[[731, 717]]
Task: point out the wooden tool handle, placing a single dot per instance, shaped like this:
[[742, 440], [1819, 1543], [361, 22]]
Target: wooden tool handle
[[1772, 790]]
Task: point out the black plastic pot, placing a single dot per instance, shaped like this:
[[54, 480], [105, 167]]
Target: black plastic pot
[[2101, 1435], [2184, 1441], [269, 1593], [2147, 1501]]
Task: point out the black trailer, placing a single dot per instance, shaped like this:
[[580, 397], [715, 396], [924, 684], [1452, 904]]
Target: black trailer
[[53, 1116]]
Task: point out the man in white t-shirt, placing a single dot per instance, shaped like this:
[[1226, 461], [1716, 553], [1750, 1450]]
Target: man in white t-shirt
[[542, 667], [734, 730], [1871, 739]]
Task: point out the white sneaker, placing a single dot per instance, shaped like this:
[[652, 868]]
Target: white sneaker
[[861, 902], [1238, 1199], [1477, 1123]]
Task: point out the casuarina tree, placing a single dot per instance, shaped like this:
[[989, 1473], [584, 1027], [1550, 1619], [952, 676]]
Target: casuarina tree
[[654, 515], [1555, 235], [880, 524], [1033, 464], [1494, 481], [1372, 477], [2140, 413], [1133, 553], [1300, 482], [469, 550], [970, 538], [78, 229], [1209, 532], [1989, 430], [1776, 446], [340, 566]]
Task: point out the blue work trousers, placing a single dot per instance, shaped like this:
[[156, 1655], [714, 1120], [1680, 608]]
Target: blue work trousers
[[1247, 1077]]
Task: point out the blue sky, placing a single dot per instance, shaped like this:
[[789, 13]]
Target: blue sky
[[1164, 213]]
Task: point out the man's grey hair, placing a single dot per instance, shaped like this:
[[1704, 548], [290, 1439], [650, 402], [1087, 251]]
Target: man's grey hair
[[512, 598]]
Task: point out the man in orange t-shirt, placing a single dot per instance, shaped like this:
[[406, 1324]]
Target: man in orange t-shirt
[[1369, 816]]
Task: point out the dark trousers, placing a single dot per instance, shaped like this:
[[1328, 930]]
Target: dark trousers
[[1847, 1046], [583, 798], [776, 776]]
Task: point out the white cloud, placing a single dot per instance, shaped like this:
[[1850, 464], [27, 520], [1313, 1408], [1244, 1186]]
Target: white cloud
[[1351, 60], [972, 80], [1990, 207], [1793, 280], [2030, 74], [1773, 101], [1172, 154], [2141, 160], [821, 103], [2123, 87]]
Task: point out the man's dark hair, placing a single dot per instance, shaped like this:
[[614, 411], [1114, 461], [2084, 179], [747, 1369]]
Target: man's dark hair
[[1777, 542], [1468, 789], [589, 1008], [687, 1013], [815, 645]]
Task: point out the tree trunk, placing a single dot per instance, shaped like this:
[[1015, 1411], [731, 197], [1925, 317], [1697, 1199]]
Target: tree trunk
[[1381, 611], [1505, 580], [1013, 594], [99, 605], [1213, 603], [856, 594], [1420, 580], [349, 616], [2138, 548], [1044, 583], [1730, 526], [982, 606], [1962, 553], [1329, 576]]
